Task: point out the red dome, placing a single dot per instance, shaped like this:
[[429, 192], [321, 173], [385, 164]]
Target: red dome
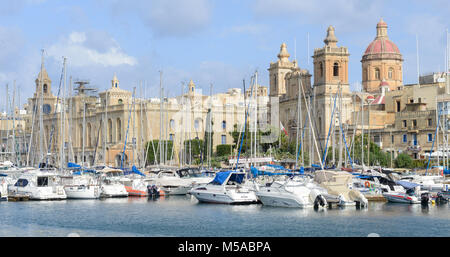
[[381, 45]]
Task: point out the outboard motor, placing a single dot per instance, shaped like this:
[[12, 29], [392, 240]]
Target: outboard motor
[[153, 190], [440, 199], [320, 201], [425, 198]]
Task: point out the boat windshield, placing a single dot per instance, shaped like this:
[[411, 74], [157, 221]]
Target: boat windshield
[[21, 183]]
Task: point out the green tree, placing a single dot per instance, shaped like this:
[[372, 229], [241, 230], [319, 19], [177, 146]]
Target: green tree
[[151, 154], [403, 161]]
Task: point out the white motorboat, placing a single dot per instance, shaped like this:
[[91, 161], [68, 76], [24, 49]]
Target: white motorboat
[[81, 187], [171, 183], [39, 184], [432, 183], [412, 194], [227, 187], [196, 176], [291, 193], [337, 184], [109, 183]]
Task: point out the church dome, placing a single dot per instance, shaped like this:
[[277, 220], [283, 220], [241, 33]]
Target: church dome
[[381, 46]]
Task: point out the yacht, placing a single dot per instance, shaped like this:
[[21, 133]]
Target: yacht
[[432, 183], [291, 193], [226, 187], [81, 187], [39, 184], [109, 183], [171, 183]]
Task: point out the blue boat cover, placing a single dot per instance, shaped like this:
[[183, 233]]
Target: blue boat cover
[[315, 165], [407, 185], [279, 167], [135, 170], [447, 171], [222, 176], [73, 165], [3, 175]]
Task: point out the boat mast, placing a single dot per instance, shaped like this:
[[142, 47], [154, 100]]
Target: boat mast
[[299, 120], [41, 122], [105, 128], [62, 117], [340, 126]]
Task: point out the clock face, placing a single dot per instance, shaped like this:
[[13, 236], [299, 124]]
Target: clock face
[[46, 108]]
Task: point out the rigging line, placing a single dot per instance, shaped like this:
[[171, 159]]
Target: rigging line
[[329, 131], [128, 126], [54, 118]]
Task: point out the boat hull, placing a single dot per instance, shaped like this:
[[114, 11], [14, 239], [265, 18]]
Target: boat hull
[[82, 192], [282, 201], [401, 198], [136, 192]]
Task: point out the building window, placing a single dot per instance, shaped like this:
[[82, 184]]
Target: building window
[[172, 124], [405, 138], [120, 101], [404, 124], [224, 124], [415, 139], [119, 130], [414, 123], [224, 139], [321, 69], [45, 88], [171, 137], [336, 69], [390, 73], [430, 137], [392, 139], [398, 105], [365, 74], [430, 122], [377, 73], [110, 130]]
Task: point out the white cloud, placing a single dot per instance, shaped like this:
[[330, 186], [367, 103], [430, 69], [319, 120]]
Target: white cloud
[[346, 14], [77, 47], [174, 18]]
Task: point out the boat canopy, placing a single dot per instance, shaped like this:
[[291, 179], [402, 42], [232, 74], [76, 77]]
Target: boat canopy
[[222, 176], [407, 185], [73, 165], [135, 170]]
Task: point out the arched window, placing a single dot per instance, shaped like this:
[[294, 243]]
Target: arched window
[[119, 129], [321, 69], [336, 69], [172, 124], [377, 73], [366, 71], [224, 124], [120, 101], [197, 124], [390, 73], [110, 130], [45, 88]]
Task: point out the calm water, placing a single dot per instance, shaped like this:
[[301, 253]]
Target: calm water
[[184, 216]]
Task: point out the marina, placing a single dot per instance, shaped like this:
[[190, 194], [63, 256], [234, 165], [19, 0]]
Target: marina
[[107, 144]]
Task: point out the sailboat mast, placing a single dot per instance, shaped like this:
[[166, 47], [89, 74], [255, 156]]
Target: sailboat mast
[[105, 128], [41, 122], [62, 117]]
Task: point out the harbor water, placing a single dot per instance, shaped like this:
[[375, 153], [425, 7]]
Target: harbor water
[[176, 216]]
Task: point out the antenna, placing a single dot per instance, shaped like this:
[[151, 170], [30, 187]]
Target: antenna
[[295, 49], [307, 36], [417, 50]]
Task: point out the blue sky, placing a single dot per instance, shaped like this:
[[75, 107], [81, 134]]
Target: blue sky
[[208, 41]]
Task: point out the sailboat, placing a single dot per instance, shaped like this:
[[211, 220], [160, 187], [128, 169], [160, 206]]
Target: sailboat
[[39, 184]]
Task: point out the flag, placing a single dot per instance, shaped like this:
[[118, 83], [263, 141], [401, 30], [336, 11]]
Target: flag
[[283, 129]]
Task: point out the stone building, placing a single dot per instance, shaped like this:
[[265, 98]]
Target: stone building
[[399, 118], [96, 127]]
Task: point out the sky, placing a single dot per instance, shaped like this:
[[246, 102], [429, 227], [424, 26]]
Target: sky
[[209, 41]]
